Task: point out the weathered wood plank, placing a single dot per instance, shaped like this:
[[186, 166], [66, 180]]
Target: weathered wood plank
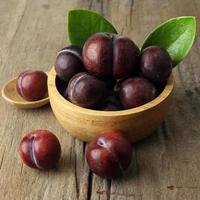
[[165, 165], [159, 159], [155, 168], [36, 30]]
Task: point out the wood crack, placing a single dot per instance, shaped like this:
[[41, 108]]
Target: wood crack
[[84, 148], [1, 163], [76, 173], [90, 180], [172, 187], [136, 161], [102, 11], [1, 60], [109, 189], [137, 172], [164, 130], [131, 12], [90, 5], [105, 192], [21, 169], [11, 143]]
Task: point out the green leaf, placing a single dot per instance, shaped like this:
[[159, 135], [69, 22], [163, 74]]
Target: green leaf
[[176, 36], [84, 23]]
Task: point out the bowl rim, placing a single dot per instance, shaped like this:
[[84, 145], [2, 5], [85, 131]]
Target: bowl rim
[[52, 89]]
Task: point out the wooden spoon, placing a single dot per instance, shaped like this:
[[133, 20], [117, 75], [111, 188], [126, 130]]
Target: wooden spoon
[[10, 94]]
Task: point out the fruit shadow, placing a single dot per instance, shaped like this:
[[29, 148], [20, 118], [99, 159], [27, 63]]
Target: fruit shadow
[[71, 158], [142, 160], [41, 109]]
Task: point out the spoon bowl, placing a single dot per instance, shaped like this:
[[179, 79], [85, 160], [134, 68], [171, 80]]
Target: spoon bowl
[[10, 94]]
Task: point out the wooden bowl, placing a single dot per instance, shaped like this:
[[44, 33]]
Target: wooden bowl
[[85, 124]]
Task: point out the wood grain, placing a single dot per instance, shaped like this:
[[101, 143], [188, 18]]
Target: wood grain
[[165, 166]]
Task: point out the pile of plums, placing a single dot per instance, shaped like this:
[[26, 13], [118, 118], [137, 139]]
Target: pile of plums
[[110, 73]]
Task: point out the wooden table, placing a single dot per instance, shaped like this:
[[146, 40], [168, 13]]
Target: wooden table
[[165, 166]]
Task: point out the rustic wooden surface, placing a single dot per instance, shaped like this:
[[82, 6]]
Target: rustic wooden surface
[[165, 166]]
